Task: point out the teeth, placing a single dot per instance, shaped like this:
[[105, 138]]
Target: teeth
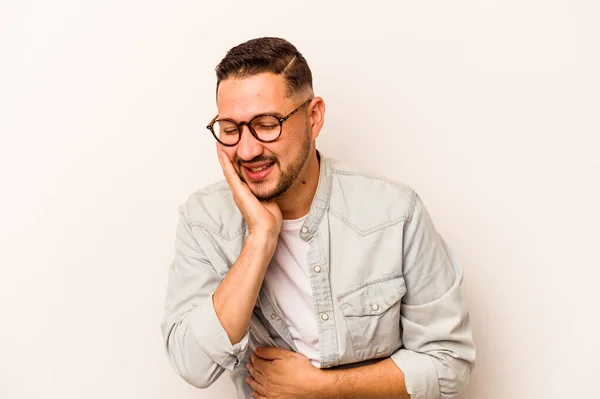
[[260, 168]]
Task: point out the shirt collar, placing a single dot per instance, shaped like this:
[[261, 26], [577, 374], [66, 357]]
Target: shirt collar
[[320, 203]]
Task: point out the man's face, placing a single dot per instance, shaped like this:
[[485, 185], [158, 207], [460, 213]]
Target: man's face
[[269, 169]]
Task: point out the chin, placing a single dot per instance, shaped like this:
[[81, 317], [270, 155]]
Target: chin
[[263, 191]]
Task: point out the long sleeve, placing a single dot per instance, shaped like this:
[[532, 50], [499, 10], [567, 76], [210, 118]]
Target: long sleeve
[[197, 345], [439, 353], [239, 374]]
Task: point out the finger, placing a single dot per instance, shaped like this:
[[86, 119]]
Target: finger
[[241, 192], [256, 386], [270, 353], [224, 161], [228, 170], [256, 374], [258, 396], [258, 364]]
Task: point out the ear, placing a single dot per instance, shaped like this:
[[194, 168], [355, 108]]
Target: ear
[[316, 116]]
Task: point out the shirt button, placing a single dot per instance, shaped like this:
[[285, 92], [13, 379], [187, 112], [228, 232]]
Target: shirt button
[[273, 316], [304, 230], [317, 269], [375, 307], [324, 316]]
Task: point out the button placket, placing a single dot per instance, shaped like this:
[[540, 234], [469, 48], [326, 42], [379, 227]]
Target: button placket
[[318, 261], [276, 321]]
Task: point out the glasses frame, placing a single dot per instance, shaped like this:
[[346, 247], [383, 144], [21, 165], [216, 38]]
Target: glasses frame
[[241, 125]]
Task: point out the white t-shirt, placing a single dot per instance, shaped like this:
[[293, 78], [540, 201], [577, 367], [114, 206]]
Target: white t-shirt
[[288, 280]]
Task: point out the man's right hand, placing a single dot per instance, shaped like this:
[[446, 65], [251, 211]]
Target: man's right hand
[[236, 296], [263, 217]]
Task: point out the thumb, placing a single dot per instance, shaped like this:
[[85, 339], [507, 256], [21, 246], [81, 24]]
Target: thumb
[[272, 207]]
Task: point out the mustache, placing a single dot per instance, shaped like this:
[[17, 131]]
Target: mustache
[[261, 158]]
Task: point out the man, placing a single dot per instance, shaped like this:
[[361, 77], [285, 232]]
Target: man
[[303, 277]]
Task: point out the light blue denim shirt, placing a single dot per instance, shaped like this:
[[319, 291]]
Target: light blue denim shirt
[[385, 284]]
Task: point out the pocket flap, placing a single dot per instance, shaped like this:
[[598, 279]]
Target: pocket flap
[[373, 299]]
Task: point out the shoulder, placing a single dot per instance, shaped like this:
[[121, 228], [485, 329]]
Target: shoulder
[[346, 174], [368, 200]]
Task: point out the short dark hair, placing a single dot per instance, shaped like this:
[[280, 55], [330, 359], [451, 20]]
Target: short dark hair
[[267, 54]]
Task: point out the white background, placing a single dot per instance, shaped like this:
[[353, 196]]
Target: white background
[[489, 109]]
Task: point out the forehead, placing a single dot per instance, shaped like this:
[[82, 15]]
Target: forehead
[[242, 98]]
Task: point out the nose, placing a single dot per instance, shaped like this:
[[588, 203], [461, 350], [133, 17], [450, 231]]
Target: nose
[[249, 147]]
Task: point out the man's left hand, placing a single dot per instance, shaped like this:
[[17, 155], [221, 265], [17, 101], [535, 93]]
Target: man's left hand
[[279, 373]]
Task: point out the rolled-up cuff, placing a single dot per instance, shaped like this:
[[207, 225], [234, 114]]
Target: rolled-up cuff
[[419, 374], [213, 339]]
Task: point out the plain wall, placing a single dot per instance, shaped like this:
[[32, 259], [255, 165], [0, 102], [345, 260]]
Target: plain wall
[[489, 109]]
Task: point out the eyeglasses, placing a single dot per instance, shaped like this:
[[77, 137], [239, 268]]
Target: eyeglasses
[[265, 128]]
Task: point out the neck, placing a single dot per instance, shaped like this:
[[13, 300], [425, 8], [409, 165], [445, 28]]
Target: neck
[[296, 202]]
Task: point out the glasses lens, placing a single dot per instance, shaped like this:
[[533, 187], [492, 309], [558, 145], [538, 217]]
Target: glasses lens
[[227, 132], [267, 128]]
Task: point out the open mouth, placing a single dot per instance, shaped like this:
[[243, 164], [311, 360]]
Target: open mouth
[[258, 173]]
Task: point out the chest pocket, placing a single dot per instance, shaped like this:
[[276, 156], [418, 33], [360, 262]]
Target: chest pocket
[[372, 315]]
